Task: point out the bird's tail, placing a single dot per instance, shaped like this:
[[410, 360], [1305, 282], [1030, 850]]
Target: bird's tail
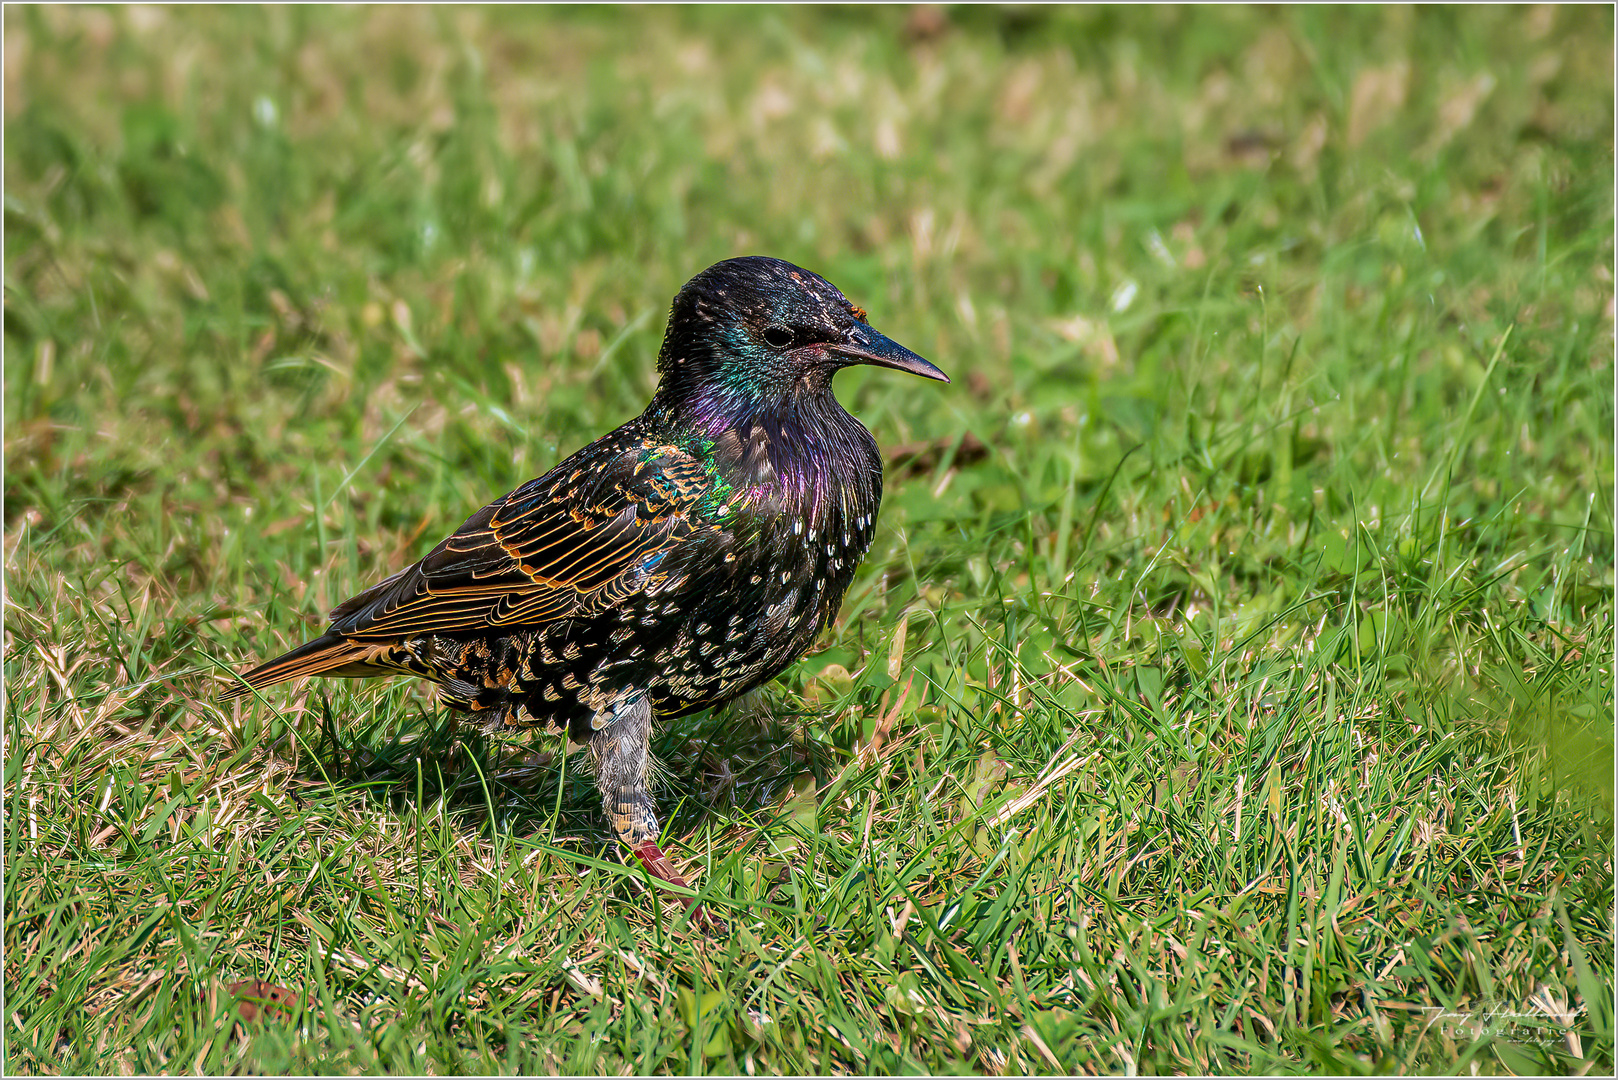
[[329, 654]]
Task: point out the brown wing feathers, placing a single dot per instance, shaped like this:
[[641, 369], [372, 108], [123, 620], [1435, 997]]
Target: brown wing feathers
[[328, 654], [553, 547]]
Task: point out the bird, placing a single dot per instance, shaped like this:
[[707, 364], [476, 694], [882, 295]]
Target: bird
[[671, 566]]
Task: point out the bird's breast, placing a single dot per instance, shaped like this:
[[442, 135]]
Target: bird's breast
[[808, 513], [812, 461]]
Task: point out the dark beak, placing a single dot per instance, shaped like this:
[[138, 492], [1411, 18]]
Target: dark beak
[[866, 346]]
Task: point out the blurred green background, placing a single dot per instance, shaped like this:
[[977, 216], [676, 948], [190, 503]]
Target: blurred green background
[[1272, 502]]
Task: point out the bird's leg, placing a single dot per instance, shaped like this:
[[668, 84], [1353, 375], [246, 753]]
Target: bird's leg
[[622, 753]]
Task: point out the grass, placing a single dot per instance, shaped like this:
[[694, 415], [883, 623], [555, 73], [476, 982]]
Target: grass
[[1252, 585]]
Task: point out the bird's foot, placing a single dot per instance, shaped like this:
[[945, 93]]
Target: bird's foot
[[657, 864]]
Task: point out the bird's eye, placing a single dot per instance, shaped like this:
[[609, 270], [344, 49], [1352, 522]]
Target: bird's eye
[[777, 337]]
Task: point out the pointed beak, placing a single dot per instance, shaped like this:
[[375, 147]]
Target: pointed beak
[[866, 346]]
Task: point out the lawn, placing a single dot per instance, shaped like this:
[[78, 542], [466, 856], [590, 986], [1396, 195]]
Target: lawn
[[1229, 687]]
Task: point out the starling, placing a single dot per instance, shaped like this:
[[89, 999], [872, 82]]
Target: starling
[[672, 565]]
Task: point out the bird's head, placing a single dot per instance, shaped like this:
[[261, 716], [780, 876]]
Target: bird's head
[[755, 330]]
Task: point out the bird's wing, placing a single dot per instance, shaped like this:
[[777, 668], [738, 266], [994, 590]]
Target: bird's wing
[[578, 539]]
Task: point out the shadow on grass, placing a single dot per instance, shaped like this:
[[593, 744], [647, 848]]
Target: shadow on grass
[[706, 765]]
